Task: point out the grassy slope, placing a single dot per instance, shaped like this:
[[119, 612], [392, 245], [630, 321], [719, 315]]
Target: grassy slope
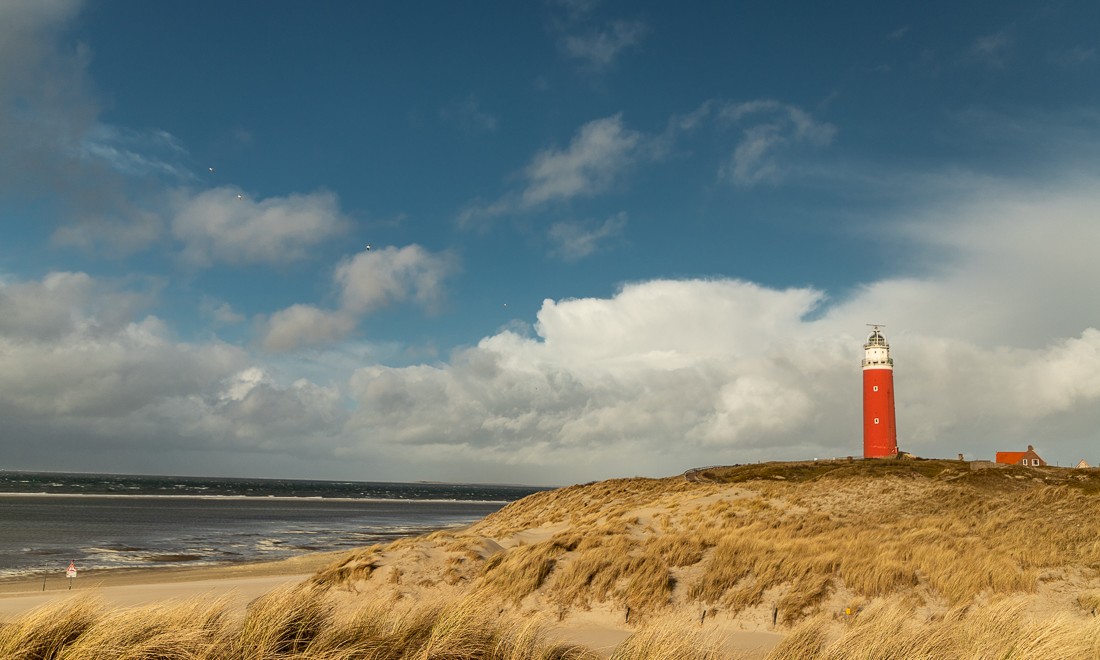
[[782, 539]]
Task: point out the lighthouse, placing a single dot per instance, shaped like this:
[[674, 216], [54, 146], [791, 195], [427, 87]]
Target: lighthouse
[[880, 434]]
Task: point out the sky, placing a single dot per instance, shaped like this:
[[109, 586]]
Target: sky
[[542, 242]]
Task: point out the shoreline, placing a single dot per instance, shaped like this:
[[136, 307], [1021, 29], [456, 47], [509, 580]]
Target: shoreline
[[130, 587], [264, 498]]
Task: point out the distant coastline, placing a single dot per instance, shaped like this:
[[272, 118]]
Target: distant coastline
[[76, 483]]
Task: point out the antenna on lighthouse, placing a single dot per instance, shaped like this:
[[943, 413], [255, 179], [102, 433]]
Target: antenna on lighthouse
[[876, 337]]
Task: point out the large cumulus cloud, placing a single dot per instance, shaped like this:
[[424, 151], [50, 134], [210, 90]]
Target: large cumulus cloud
[[995, 341], [89, 380]]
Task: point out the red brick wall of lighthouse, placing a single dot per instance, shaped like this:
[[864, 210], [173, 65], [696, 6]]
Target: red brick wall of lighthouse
[[880, 434]]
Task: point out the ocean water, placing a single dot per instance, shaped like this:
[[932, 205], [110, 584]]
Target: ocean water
[[116, 521]]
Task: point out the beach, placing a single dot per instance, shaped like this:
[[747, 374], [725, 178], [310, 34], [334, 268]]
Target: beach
[[135, 587]]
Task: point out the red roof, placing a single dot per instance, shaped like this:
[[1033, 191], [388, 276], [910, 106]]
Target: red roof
[[1011, 457]]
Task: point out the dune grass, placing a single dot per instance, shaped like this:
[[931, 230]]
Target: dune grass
[[43, 633], [891, 629], [786, 537], [300, 622], [293, 622]]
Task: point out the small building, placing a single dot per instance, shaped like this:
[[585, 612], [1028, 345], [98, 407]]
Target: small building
[[1028, 458], [1083, 465]]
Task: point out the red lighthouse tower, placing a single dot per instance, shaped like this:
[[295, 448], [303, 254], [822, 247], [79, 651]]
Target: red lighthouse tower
[[880, 434]]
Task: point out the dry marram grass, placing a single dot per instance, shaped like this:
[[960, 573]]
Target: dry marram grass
[[787, 537], [293, 622]]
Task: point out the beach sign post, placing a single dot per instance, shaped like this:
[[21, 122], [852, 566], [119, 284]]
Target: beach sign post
[[70, 572]]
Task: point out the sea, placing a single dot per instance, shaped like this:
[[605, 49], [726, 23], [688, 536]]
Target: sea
[[110, 521]]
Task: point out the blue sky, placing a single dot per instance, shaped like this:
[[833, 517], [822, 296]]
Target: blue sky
[[606, 238]]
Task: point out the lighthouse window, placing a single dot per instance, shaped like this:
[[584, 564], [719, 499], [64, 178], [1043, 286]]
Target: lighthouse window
[[875, 388], [876, 420]]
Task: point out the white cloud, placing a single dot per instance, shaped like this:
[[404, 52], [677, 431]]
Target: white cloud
[[366, 282], [65, 304], [991, 251], [597, 154], [226, 225], [75, 346], [220, 311], [600, 152], [115, 228], [576, 240], [374, 278], [88, 383], [773, 133], [606, 381], [300, 325]]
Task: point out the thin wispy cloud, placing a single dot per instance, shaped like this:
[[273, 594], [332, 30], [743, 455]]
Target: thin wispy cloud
[[600, 152], [468, 115], [594, 42], [1074, 57], [772, 136], [574, 241], [992, 49], [136, 153], [898, 33], [598, 49], [771, 132]]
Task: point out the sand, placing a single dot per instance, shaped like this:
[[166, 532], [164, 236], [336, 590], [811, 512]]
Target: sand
[[133, 587]]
